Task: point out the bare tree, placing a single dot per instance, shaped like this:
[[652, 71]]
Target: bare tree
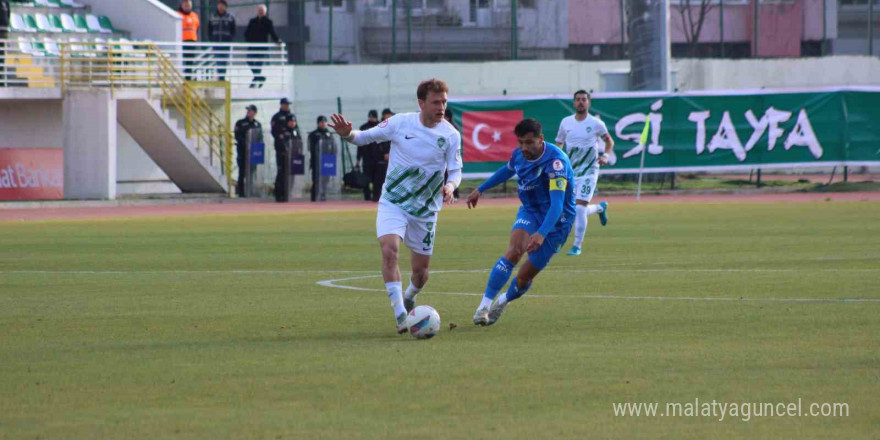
[[693, 15]]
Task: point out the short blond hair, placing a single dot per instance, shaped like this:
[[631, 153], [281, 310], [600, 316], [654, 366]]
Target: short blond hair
[[431, 85]]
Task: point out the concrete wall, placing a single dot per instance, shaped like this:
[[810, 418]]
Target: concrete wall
[[21, 119], [89, 125], [696, 74], [145, 19]]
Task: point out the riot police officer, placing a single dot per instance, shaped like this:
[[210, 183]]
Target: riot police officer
[[284, 129], [242, 127], [321, 142]]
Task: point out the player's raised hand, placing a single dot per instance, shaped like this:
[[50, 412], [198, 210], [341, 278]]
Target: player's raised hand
[[535, 241], [448, 194], [342, 127], [473, 198]]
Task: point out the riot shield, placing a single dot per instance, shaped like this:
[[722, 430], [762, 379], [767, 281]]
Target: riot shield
[[329, 183], [256, 155]]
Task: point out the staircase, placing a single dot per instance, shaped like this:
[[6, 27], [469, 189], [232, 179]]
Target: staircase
[[164, 140], [164, 113]]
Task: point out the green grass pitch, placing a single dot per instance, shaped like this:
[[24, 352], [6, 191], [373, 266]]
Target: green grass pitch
[[215, 327]]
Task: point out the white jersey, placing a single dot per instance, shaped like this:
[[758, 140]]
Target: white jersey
[[419, 158], [583, 142]]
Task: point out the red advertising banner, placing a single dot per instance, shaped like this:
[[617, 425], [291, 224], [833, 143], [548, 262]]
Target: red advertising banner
[[488, 136], [31, 174]]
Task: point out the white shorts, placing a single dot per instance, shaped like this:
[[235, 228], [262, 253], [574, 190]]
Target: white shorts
[[417, 233], [585, 186]]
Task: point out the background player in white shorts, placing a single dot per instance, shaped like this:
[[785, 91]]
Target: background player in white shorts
[[579, 136], [423, 147]]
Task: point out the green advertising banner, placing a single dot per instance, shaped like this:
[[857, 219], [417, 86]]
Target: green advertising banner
[[700, 131]]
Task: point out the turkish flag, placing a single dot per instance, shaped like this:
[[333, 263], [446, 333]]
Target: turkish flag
[[488, 136]]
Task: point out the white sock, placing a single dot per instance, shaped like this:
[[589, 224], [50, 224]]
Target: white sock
[[412, 290], [502, 300], [485, 303], [594, 209], [580, 225], [395, 294]]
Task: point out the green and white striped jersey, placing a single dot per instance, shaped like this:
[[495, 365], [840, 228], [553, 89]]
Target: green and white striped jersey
[[419, 158], [583, 142]]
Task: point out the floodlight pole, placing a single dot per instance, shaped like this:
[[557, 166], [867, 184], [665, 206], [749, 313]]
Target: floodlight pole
[[514, 31], [755, 28], [870, 28], [409, 30], [330, 37], [721, 24], [393, 30]]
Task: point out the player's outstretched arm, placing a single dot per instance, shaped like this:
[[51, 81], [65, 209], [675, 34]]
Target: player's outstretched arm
[[496, 179], [340, 125], [473, 198]]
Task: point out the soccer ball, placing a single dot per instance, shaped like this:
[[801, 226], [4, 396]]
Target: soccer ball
[[423, 322]]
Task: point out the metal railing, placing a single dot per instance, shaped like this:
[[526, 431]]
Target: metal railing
[[35, 62]]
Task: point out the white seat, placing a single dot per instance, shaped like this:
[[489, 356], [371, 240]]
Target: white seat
[[95, 25], [17, 23], [44, 24], [26, 45], [51, 47], [69, 25], [72, 4], [44, 4]]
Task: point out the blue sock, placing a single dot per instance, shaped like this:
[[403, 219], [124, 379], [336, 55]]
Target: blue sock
[[498, 278], [514, 292]]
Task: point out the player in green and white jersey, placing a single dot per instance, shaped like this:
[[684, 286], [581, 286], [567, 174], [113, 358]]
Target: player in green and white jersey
[[423, 147], [579, 136]]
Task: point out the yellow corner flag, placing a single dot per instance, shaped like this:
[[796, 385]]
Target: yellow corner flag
[[644, 138]]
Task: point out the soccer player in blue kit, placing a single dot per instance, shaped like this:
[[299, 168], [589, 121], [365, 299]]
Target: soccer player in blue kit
[[542, 223]]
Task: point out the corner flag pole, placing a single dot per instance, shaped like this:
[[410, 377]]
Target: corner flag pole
[[643, 141]]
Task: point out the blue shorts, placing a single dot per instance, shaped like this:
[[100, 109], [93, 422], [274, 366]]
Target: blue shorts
[[530, 221]]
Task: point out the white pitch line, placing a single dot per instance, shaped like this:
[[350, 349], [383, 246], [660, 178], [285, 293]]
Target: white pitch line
[[333, 284], [184, 272]]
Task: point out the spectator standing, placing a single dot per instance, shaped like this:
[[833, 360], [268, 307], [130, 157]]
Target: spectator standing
[[190, 35], [221, 29], [321, 142], [242, 127], [260, 29], [284, 130], [367, 154]]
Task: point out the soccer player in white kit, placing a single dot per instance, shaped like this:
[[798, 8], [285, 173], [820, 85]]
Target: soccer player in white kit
[[578, 136], [423, 147]]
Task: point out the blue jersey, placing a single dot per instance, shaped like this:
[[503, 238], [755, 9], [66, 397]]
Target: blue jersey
[[536, 178]]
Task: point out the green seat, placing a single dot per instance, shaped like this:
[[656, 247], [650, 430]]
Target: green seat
[[81, 22], [30, 22], [106, 24], [56, 22]]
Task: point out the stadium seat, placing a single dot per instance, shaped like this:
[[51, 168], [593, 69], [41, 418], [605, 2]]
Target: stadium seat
[[106, 24], [69, 24], [31, 22], [71, 4], [20, 24], [51, 48], [94, 25], [44, 4], [81, 22], [56, 23], [44, 25], [25, 45]]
